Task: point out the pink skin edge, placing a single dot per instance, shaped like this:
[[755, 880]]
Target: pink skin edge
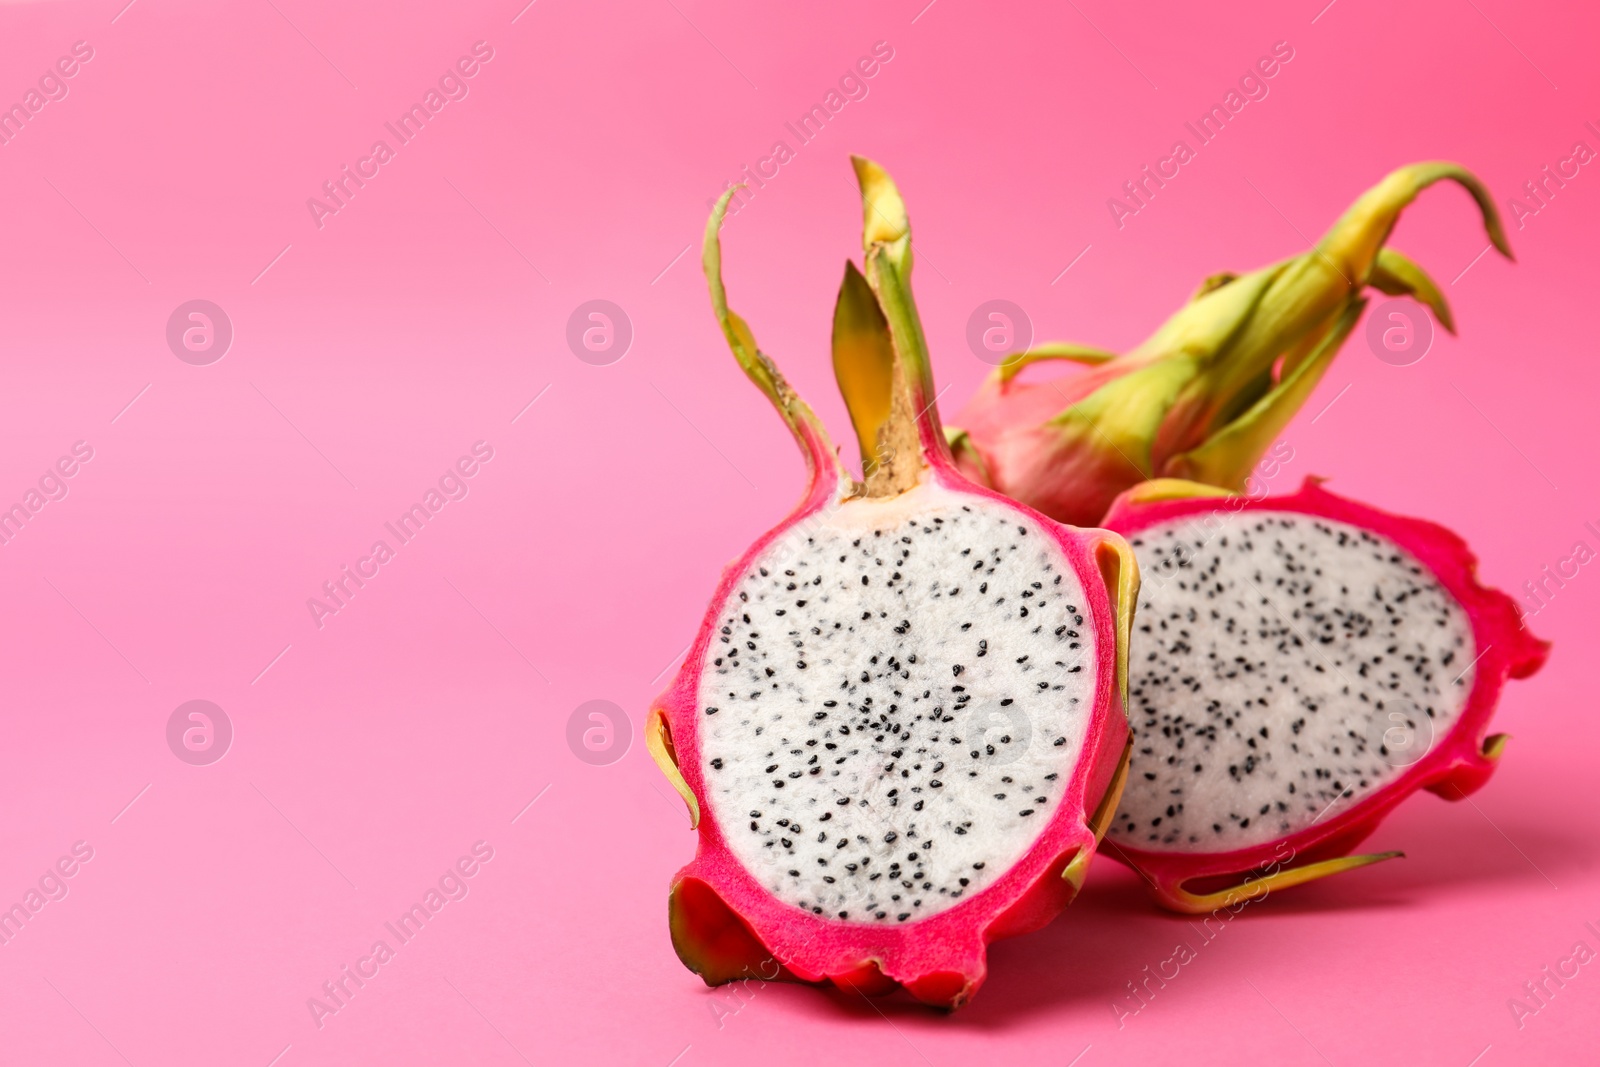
[[1455, 767], [1000, 407], [939, 959], [1007, 424]]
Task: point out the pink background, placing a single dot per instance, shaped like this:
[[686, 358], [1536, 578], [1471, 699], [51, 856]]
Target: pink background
[[425, 316]]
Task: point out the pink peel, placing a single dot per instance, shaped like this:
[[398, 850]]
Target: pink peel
[[725, 925], [723, 921], [1456, 765]]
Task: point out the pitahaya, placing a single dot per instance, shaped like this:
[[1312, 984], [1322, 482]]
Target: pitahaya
[[1205, 395], [1301, 664], [900, 731]]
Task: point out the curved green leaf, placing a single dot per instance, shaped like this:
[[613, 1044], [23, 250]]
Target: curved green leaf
[[1053, 350], [1228, 456], [863, 362], [758, 367], [1394, 274]]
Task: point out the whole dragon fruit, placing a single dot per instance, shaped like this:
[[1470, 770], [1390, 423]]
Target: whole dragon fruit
[[1301, 664], [1209, 391], [900, 730]]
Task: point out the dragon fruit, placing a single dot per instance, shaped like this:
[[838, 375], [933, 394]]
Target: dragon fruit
[[900, 730], [1207, 393], [1301, 664]]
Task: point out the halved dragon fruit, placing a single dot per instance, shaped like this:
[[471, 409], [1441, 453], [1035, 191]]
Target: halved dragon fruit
[[900, 731], [1208, 392], [1301, 664]]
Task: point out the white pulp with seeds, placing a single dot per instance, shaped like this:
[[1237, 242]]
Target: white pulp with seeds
[[1271, 654], [893, 703]]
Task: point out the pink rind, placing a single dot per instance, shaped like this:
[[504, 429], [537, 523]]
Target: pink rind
[[1456, 766], [941, 959]]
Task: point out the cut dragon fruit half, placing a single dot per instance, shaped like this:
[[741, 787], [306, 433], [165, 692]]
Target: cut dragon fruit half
[[1301, 664], [900, 730]]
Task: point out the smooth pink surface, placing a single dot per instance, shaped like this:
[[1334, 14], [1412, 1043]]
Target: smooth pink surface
[[430, 711]]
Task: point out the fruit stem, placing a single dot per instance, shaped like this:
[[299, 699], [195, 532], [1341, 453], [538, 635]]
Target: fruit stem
[[907, 436]]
